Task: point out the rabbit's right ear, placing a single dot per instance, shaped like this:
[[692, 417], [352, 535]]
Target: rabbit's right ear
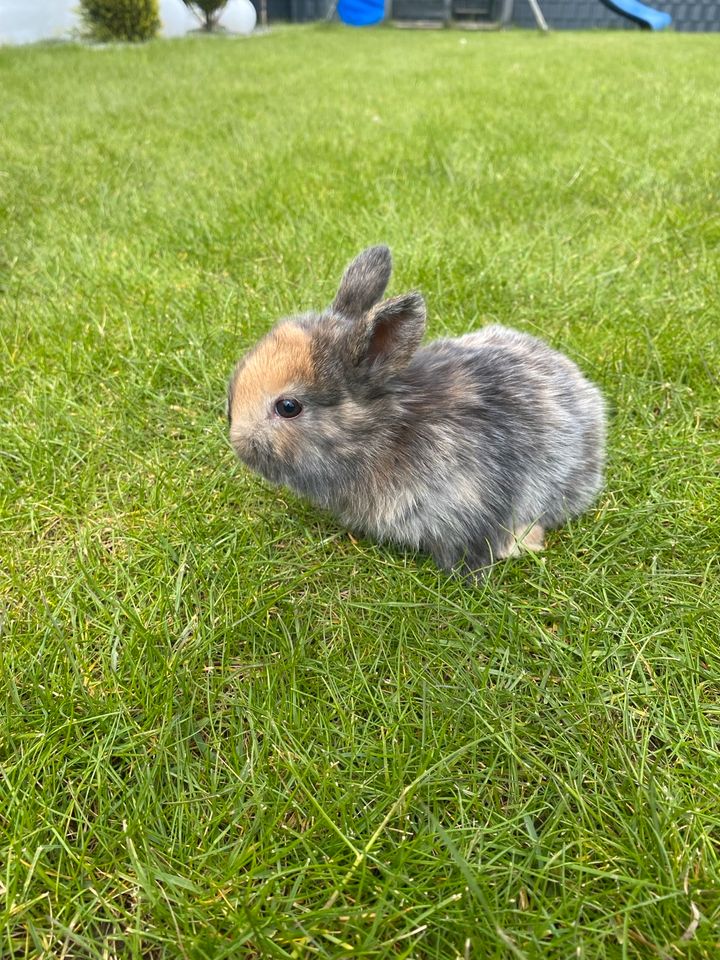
[[363, 282], [386, 338]]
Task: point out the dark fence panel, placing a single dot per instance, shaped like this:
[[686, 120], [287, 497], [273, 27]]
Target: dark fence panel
[[298, 11], [688, 15], [419, 10]]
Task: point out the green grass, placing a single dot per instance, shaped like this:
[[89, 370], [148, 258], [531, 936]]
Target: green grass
[[230, 730]]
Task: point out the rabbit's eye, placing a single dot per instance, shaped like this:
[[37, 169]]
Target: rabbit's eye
[[288, 407]]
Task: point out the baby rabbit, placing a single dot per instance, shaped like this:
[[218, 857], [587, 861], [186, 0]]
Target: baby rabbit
[[468, 448]]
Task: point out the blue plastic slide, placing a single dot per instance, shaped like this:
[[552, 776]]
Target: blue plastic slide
[[361, 13], [640, 13]]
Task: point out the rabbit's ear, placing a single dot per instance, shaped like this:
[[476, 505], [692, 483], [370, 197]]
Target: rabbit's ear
[[391, 332], [363, 282]]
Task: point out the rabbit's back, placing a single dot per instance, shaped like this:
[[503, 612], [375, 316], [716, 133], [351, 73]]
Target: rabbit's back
[[538, 424]]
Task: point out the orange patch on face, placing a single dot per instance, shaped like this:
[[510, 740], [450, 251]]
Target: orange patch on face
[[282, 359]]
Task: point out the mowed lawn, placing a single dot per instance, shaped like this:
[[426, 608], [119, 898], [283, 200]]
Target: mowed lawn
[[229, 729]]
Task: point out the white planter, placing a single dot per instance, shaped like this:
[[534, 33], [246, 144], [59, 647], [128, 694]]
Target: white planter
[[176, 18], [239, 16]]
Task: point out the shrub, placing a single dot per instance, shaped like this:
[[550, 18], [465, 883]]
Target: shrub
[[120, 19], [207, 11]]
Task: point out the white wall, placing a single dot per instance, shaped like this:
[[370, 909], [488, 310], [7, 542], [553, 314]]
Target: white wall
[[25, 21]]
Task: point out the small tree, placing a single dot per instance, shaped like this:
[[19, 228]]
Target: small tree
[[132, 20], [208, 12]]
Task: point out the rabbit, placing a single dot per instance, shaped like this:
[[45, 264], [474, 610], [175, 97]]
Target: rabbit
[[467, 448]]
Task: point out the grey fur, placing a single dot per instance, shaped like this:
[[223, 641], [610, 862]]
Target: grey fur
[[448, 448], [363, 282]]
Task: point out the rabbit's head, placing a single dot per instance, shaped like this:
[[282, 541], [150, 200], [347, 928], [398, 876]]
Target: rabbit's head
[[306, 405]]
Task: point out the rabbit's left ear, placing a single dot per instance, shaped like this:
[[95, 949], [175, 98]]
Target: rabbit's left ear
[[390, 333], [363, 282]]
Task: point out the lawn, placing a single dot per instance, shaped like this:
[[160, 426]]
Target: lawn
[[230, 730]]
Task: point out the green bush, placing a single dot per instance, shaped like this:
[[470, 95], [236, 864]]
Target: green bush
[[133, 20]]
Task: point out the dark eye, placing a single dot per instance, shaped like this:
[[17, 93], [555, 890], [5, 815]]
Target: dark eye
[[288, 407]]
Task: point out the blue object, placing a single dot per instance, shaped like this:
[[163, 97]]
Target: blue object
[[640, 13], [361, 13]]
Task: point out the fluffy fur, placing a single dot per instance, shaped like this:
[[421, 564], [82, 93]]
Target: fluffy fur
[[467, 448]]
